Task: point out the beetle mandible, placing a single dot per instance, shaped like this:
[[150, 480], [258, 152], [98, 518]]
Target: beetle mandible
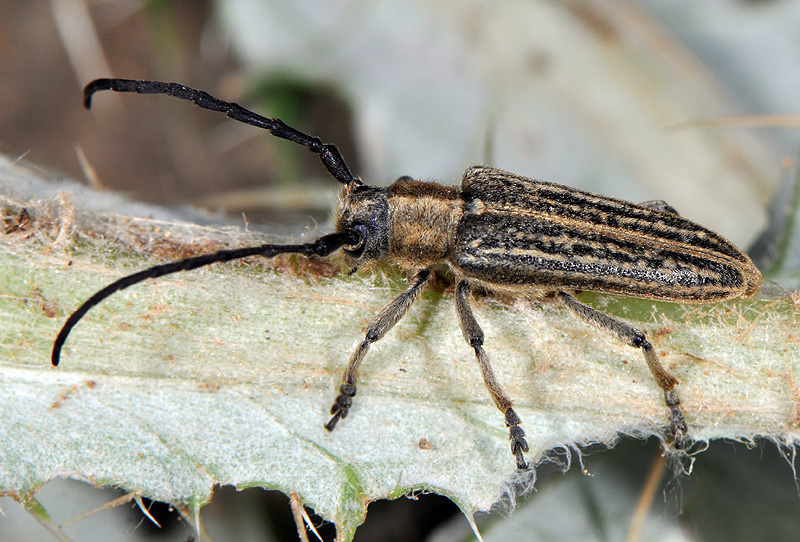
[[499, 231]]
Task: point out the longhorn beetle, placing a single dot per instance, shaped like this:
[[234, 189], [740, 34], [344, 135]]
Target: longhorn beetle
[[498, 231]]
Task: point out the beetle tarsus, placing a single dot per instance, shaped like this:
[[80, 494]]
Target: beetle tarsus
[[677, 423], [517, 437], [341, 406]]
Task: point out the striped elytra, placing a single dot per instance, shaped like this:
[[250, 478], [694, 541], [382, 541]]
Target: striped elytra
[[517, 231]]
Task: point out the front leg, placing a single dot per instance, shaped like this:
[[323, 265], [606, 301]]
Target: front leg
[[473, 334], [633, 337], [380, 325]]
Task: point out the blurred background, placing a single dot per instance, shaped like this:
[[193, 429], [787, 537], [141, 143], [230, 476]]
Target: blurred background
[[647, 99]]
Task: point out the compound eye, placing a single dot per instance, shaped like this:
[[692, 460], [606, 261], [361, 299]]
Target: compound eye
[[357, 240]]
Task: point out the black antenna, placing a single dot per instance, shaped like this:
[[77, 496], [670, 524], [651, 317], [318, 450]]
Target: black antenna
[[329, 154], [321, 247]]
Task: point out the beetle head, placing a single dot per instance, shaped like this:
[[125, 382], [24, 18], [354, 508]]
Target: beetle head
[[364, 210]]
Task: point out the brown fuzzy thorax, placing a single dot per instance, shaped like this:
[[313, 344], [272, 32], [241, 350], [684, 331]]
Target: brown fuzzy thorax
[[423, 222]]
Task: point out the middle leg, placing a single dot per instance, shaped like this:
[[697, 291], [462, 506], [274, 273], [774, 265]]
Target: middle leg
[[473, 334]]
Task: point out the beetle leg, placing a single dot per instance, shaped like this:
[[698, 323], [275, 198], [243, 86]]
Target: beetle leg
[[633, 337], [380, 325], [660, 205], [473, 334]]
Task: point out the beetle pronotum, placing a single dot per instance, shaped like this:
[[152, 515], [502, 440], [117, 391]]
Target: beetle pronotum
[[499, 231]]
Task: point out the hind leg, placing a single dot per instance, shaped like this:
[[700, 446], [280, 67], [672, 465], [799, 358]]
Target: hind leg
[[633, 337]]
